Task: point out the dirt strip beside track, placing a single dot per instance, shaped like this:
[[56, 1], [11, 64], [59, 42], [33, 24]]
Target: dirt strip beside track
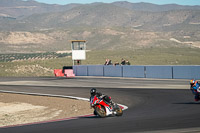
[[21, 109]]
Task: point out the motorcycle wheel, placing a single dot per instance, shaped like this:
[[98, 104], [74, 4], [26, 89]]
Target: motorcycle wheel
[[101, 112], [197, 97], [118, 111], [95, 112]]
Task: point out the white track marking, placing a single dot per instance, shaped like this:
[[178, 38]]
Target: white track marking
[[51, 95]]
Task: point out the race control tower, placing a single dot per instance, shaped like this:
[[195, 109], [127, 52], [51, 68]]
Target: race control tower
[[78, 51]]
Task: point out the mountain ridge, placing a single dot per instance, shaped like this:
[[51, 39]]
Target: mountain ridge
[[111, 26], [20, 8]]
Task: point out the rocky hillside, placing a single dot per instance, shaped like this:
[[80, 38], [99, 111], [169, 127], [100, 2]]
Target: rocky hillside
[[119, 25]]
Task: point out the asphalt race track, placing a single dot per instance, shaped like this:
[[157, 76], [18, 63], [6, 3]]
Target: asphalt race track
[[153, 105]]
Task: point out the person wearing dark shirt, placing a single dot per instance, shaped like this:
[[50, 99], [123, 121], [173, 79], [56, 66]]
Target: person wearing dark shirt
[[108, 62], [123, 62], [127, 62]]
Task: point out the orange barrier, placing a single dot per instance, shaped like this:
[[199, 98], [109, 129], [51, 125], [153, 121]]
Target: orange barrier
[[58, 73], [69, 73]]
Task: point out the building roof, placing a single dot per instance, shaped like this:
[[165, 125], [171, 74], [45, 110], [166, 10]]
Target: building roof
[[78, 41]]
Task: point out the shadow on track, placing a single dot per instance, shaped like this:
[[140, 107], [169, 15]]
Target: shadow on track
[[89, 117], [95, 117], [187, 103]]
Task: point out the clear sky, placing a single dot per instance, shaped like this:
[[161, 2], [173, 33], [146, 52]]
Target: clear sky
[[160, 2]]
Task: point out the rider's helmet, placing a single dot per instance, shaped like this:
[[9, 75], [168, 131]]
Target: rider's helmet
[[93, 91], [192, 81]]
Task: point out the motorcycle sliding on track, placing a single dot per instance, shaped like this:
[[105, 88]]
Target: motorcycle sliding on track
[[104, 109]]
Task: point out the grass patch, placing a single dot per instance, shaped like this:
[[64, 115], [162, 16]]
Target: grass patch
[[150, 56]]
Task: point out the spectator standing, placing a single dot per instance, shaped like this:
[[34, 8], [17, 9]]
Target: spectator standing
[[108, 62], [127, 62], [123, 62]]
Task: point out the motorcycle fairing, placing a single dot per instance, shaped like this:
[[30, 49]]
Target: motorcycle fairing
[[108, 111]]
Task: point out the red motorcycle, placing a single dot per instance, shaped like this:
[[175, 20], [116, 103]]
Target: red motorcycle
[[103, 109]]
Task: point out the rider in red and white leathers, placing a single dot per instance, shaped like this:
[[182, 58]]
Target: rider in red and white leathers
[[107, 99]]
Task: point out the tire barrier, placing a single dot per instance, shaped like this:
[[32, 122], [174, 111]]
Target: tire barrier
[[160, 72]]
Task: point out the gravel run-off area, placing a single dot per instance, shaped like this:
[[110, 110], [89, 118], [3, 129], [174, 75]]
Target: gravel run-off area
[[18, 109]]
